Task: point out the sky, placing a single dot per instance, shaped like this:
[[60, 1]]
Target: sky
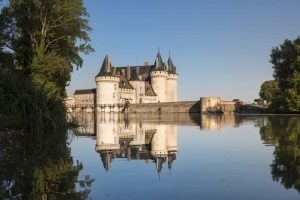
[[220, 47]]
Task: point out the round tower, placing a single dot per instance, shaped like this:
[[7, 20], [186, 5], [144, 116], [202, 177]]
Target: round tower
[[158, 79], [107, 137], [107, 87], [171, 87], [159, 142], [171, 132], [171, 82], [158, 82]]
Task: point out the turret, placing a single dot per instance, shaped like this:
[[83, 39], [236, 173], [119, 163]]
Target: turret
[[171, 82], [159, 142], [171, 132], [158, 78], [107, 86], [107, 137], [106, 157]]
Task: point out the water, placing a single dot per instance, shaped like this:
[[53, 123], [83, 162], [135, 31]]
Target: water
[[191, 157], [168, 156]]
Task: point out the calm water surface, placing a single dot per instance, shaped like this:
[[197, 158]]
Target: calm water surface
[[174, 156], [180, 156]]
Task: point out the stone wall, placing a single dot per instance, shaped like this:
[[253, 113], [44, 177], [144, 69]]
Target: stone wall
[[205, 105], [227, 106], [210, 104], [166, 107]]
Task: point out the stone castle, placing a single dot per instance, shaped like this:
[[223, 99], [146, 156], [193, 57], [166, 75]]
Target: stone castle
[[131, 84], [141, 89]]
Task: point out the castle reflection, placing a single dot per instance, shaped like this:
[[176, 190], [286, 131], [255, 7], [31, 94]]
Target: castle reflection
[[148, 137], [119, 137]]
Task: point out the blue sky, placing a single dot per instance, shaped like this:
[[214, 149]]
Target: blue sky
[[220, 47]]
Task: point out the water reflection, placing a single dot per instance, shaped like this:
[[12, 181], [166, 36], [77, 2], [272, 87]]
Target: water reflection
[[39, 166], [119, 137], [210, 122], [284, 133], [153, 138], [150, 137]]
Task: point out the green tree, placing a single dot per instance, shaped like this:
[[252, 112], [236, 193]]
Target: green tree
[[41, 42], [49, 38], [269, 90], [286, 65]]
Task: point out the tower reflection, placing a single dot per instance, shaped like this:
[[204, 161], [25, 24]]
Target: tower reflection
[[150, 137], [134, 139]]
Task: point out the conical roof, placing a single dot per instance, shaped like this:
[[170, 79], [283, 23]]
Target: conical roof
[[106, 160], [106, 68], [171, 68], [159, 161], [158, 64]]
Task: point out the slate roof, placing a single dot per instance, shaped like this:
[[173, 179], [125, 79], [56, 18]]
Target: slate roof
[[85, 91], [158, 64], [170, 67], [124, 83], [149, 90], [133, 73], [106, 68]]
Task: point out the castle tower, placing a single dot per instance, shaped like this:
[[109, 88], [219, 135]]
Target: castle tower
[[159, 142], [171, 82], [107, 86], [107, 137], [171, 132], [158, 79]]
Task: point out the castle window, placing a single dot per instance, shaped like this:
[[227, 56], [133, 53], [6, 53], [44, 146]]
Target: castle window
[[115, 86]]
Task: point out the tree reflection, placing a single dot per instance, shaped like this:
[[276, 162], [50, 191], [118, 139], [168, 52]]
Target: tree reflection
[[284, 133], [39, 167]]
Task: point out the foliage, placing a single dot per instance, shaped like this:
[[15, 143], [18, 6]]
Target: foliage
[[286, 65], [284, 132], [269, 90], [30, 108], [40, 169], [40, 44], [48, 38]]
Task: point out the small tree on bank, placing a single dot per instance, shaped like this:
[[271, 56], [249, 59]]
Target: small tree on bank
[[268, 91]]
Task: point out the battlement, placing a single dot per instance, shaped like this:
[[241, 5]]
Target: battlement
[[159, 74], [172, 76], [108, 78]]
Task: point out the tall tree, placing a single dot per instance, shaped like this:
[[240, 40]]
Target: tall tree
[[286, 65], [51, 35]]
